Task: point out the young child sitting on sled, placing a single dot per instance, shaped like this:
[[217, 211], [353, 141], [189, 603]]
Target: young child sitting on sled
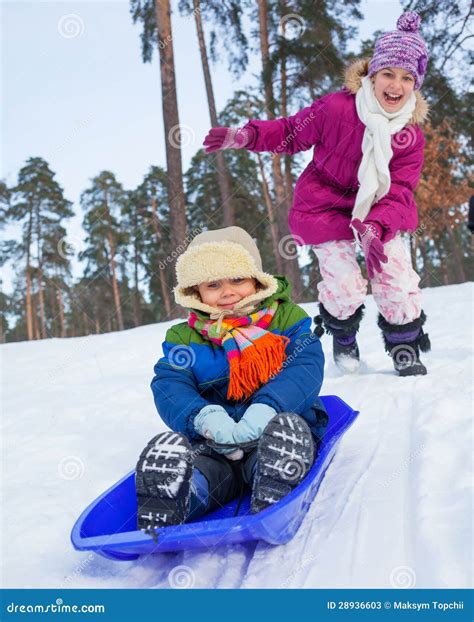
[[237, 385]]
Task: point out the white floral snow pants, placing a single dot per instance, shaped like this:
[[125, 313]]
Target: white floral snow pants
[[343, 288]]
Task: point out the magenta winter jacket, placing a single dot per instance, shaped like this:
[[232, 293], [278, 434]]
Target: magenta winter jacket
[[324, 194]]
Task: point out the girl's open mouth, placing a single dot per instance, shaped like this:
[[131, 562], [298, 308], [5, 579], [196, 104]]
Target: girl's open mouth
[[392, 99]]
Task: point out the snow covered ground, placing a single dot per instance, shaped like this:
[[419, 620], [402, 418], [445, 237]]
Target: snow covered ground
[[394, 510]]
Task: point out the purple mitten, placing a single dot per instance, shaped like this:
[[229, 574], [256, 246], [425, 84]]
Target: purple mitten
[[369, 237], [228, 138]]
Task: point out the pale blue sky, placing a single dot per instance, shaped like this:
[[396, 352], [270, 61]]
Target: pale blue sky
[[87, 103]]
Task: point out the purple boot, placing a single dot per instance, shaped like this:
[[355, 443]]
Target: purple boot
[[403, 342], [344, 343]]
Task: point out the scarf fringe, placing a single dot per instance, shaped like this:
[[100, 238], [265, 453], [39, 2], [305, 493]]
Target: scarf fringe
[[256, 365]]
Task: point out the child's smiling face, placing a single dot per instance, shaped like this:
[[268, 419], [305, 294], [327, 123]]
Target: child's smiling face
[[226, 293], [393, 87]]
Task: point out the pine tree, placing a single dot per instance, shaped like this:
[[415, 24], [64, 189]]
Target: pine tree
[[39, 204], [106, 240], [156, 20], [228, 18], [157, 250]]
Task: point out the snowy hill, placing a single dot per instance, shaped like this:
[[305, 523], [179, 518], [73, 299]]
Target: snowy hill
[[394, 509]]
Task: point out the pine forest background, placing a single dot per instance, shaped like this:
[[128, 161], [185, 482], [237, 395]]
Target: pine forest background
[[132, 236]]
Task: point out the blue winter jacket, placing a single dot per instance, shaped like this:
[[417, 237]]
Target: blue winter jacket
[[194, 373]]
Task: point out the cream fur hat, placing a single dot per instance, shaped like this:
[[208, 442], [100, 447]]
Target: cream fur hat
[[221, 254]]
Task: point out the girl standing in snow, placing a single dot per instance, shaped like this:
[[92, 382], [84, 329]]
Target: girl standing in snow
[[245, 367], [367, 160]]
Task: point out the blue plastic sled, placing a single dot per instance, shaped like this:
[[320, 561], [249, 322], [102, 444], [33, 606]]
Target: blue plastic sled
[[108, 525]]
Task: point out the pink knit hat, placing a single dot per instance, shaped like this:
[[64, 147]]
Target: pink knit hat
[[404, 48]]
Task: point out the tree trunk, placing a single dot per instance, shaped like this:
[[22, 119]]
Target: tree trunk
[[85, 323], [291, 267], [61, 312], [443, 266], [29, 311], [40, 273], [413, 245], [44, 334], [97, 326], [163, 283], [284, 113], [136, 296], [115, 287], [35, 317], [171, 126], [54, 314], [271, 217], [461, 276], [426, 271], [225, 187]]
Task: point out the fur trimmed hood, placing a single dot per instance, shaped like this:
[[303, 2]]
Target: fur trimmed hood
[[360, 68], [221, 254]]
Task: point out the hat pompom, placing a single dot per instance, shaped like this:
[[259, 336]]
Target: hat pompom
[[409, 22]]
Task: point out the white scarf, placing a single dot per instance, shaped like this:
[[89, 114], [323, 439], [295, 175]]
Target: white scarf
[[373, 173]]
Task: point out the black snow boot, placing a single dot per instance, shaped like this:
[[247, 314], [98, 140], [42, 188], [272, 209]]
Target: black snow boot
[[344, 343], [285, 454], [162, 481], [403, 342]]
